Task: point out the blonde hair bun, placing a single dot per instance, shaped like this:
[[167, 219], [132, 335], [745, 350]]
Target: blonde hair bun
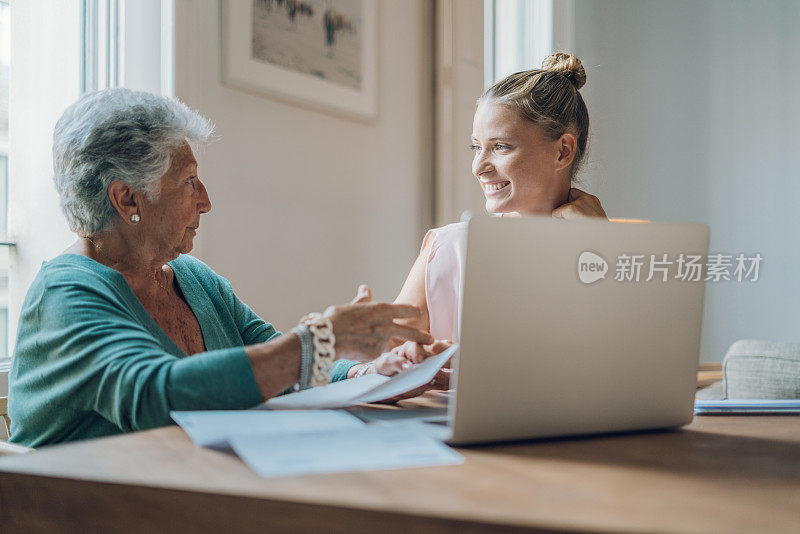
[[568, 65]]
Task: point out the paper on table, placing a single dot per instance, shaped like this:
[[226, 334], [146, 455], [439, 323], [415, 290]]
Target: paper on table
[[412, 378], [369, 447], [213, 428], [367, 388], [334, 395]]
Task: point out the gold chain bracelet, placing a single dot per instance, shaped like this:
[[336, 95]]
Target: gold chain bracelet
[[321, 329]]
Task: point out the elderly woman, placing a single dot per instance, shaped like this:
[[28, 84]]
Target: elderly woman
[[124, 326]]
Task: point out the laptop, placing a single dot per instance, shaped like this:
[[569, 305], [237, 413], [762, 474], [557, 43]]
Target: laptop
[[575, 327]]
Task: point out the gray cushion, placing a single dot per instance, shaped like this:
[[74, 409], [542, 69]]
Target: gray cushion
[[712, 392], [754, 369]]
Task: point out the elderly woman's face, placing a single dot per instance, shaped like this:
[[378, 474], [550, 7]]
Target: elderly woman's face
[[172, 219]]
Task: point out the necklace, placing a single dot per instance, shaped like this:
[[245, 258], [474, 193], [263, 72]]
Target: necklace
[[108, 258]]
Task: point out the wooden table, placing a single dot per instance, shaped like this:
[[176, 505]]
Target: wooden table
[[719, 474]]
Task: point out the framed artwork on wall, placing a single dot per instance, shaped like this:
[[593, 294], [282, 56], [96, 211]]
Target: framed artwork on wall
[[320, 54]]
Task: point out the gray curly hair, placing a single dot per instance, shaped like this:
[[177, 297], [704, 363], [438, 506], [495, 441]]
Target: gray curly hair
[[117, 134]]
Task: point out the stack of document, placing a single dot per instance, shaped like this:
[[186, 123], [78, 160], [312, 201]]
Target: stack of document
[[309, 439]]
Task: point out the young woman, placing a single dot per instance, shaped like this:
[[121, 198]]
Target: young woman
[[529, 136]]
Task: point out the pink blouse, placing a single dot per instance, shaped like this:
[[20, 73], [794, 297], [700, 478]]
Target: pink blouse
[[444, 278]]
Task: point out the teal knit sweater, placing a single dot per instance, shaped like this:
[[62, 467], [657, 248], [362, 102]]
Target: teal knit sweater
[[90, 361]]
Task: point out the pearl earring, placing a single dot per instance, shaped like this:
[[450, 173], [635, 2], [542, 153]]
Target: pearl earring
[[135, 218]]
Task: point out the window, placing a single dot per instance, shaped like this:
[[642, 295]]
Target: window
[[89, 44], [46, 34], [5, 49], [521, 33]]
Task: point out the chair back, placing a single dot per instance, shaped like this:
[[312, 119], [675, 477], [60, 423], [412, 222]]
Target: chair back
[[5, 424]]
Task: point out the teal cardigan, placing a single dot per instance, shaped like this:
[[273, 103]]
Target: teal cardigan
[[90, 361]]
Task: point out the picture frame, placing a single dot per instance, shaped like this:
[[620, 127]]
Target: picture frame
[[317, 54]]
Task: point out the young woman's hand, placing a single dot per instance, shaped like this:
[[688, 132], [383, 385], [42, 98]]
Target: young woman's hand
[[401, 358], [580, 205]]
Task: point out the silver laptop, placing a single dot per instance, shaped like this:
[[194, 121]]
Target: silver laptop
[[559, 338]]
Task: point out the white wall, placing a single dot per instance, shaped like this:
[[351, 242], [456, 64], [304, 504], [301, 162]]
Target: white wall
[[308, 205], [694, 108]]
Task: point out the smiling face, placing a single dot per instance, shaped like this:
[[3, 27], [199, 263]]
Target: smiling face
[[170, 221], [518, 167]]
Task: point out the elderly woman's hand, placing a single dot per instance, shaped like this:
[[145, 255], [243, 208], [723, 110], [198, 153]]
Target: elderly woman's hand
[[580, 205], [365, 329]]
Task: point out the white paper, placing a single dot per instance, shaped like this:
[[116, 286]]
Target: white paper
[[335, 395], [404, 381], [213, 428], [367, 388], [369, 447]]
